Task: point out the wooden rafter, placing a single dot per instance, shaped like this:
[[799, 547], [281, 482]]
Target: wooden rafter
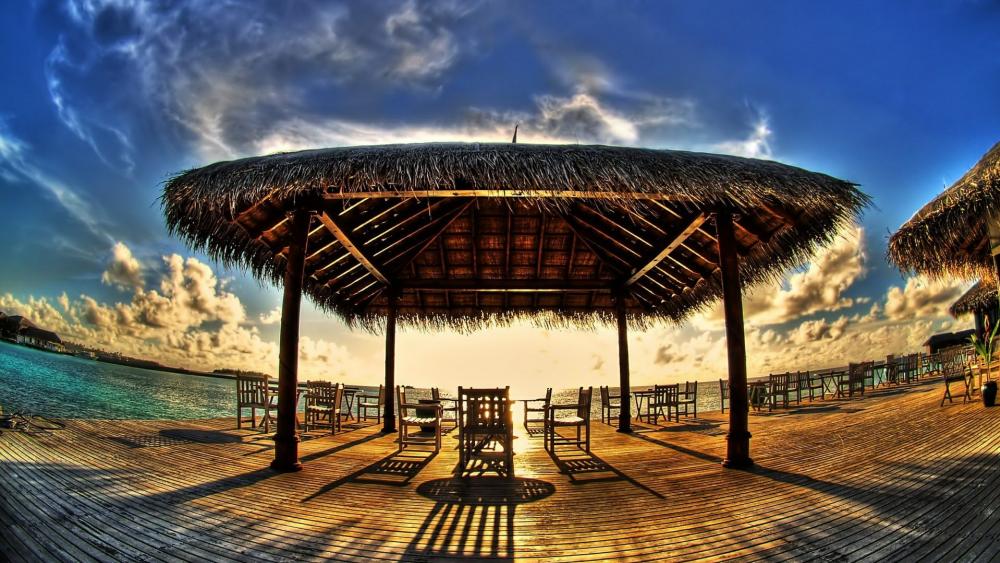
[[355, 251], [445, 220], [670, 246]]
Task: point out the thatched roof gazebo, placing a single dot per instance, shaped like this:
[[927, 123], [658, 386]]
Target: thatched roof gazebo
[[957, 233], [475, 235]]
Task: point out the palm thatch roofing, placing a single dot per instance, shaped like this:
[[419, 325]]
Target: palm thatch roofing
[[982, 296], [472, 234], [949, 235]]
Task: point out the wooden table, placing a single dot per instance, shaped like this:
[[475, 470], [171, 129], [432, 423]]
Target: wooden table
[[640, 396]]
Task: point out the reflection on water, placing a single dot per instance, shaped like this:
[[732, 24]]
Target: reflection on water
[[70, 387]]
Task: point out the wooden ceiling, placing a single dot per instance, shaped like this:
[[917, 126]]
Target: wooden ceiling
[[463, 253]]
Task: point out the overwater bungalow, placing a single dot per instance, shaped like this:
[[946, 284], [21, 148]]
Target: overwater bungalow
[[470, 236]]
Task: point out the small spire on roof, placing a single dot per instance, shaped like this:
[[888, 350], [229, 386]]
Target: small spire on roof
[[514, 140]]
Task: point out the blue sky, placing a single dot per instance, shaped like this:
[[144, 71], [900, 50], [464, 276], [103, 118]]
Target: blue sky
[[103, 100]]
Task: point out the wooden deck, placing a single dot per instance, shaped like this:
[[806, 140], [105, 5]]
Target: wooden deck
[[890, 476]]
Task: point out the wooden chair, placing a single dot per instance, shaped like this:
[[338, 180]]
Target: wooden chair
[[485, 422], [664, 397], [535, 409], [723, 394], [368, 402], [449, 407], [853, 381], [252, 393], [757, 395], [409, 415], [778, 390], [608, 404], [580, 420], [323, 405], [893, 370], [911, 368], [807, 384], [687, 399], [954, 368]]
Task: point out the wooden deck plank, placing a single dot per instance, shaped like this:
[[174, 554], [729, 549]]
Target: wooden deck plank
[[863, 479]]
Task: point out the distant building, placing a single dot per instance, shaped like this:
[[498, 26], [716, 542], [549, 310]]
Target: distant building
[[947, 340], [16, 328], [39, 338]]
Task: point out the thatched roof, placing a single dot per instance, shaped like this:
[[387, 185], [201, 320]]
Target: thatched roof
[[983, 295], [484, 233], [948, 236]]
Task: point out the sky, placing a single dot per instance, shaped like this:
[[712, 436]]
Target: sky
[[105, 99]]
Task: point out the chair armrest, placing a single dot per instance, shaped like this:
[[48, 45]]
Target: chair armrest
[[426, 406], [564, 407]]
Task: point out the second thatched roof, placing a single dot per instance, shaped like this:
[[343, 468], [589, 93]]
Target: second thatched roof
[[948, 236], [474, 234], [981, 296]]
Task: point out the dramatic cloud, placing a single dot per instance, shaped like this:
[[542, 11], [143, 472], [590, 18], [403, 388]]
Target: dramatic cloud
[[922, 298], [124, 270], [271, 317], [820, 287]]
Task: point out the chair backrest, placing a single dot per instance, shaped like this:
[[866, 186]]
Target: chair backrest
[[323, 393], [435, 394], [665, 394], [401, 400], [605, 395], [586, 396], [484, 408], [723, 389], [251, 389], [381, 394], [690, 389], [778, 383]]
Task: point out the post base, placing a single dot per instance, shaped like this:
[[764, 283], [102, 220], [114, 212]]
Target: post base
[[286, 453], [286, 467], [626, 430], [745, 463]]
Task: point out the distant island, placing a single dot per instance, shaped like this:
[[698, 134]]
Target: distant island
[[18, 329]]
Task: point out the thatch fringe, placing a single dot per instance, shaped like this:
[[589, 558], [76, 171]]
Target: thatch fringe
[[945, 237], [982, 296], [201, 206]]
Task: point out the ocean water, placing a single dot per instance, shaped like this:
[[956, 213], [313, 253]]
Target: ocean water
[[61, 386]]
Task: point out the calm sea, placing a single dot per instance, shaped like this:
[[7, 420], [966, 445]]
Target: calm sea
[[69, 387]]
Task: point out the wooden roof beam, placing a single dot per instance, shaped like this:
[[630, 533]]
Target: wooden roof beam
[[355, 251], [671, 245], [495, 194], [512, 286]]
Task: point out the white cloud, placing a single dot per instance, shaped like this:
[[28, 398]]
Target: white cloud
[[757, 144], [124, 271], [271, 317], [922, 298]]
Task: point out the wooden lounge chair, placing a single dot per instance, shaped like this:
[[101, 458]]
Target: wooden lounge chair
[[534, 410], [323, 405], [449, 407], [723, 394], [580, 420], [368, 402], [484, 424], [609, 403], [664, 398], [252, 393], [687, 399], [411, 414]]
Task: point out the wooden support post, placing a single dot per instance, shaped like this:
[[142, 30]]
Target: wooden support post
[[980, 325], [286, 439], [625, 413], [389, 417], [738, 449]]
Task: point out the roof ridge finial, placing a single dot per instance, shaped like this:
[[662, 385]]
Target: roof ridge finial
[[514, 140]]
